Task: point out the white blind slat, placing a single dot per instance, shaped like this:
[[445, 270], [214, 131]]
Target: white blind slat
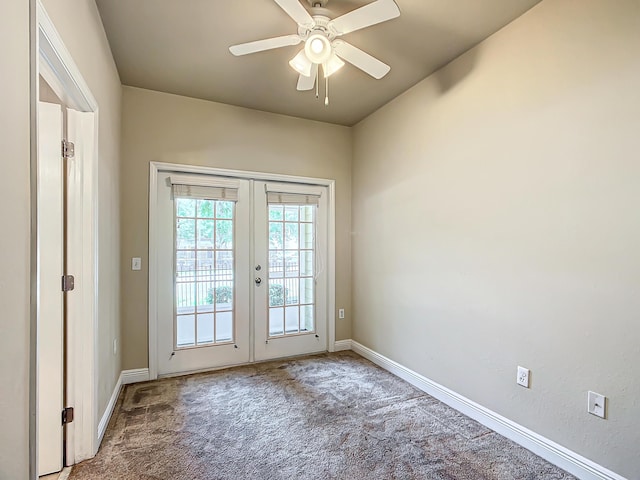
[[292, 198], [204, 188], [205, 193]]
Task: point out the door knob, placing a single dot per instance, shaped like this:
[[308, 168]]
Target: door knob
[[258, 281]]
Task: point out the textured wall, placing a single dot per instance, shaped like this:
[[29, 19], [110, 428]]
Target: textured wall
[[14, 244], [173, 129], [496, 224], [79, 25]]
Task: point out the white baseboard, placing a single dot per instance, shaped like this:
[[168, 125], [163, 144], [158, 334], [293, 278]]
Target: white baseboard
[[135, 376], [126, 377], [564, 458], [104, 421], [340, 345]]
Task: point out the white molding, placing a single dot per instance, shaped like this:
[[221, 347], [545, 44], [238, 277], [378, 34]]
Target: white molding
[[153, 272], [57, 67], [135, 376], [106, 416], [244, 174], [560, 456], [82, 306], [341, 345], [252, 261], [331, 268], [156, 167]]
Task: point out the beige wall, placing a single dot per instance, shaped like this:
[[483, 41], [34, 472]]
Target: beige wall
[[80, 27], [173, 129], [500, 198], [14, 244]]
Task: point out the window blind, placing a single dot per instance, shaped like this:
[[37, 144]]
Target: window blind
[[292, 198], [204, 188]]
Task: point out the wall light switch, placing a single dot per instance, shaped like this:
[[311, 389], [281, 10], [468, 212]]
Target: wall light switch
[[596, 404], [136, 263], [341, 313]]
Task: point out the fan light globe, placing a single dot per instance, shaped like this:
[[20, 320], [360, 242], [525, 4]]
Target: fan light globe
[[301, 64], [318, 48], [332, 65]]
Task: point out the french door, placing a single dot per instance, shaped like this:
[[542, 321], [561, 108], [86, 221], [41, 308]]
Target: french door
[[240, 271]]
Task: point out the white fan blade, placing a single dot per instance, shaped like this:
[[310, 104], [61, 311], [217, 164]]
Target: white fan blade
[[371, 14], [267, 44], [360, 59], [307, 83], [296, 11]]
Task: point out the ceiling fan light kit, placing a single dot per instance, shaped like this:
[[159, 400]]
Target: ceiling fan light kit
[[301, 64], [332, 65], [321, 45]]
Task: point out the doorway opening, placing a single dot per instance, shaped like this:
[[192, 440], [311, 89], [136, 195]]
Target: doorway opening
[[64, 357]]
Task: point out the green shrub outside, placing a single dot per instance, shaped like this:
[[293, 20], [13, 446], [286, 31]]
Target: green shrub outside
[[276, 295], [223, 294]]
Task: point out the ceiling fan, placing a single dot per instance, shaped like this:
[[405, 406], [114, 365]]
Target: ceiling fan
[[322, 43]]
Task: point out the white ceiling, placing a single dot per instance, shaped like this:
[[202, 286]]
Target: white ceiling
[[181, 47]]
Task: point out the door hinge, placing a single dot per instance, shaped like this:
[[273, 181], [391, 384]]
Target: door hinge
[[68, 149], [68, 283], [67, 415]]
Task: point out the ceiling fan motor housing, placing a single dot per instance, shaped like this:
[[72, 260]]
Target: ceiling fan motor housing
[[318, 39], [321, 25]]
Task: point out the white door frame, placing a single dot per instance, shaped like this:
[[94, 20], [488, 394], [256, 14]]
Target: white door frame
[[156, 167], [55, 64]]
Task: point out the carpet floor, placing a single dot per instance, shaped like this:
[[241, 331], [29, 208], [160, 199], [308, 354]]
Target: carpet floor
[[330, 416]]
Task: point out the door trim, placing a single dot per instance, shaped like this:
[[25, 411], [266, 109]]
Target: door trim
[[156, 167], [52, 60]]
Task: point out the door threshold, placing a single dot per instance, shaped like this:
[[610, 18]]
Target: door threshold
[[225, 367]]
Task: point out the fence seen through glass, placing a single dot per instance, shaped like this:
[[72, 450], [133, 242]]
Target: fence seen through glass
[[204, 272], [291, 269]]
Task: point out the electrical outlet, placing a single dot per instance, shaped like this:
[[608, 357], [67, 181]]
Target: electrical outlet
[[596, 404], [523, 377], [136, 263], [341, 313]]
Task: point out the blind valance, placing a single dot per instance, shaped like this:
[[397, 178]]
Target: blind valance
[[292, 198], [204, 188]]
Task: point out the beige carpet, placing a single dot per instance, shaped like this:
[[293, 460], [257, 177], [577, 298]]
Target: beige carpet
[[333, 416]]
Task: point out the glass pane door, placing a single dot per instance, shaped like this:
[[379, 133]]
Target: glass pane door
[[291, 269], [204, 272]]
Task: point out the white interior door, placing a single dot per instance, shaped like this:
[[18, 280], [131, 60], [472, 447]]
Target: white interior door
[[50, 244], [240, 271]]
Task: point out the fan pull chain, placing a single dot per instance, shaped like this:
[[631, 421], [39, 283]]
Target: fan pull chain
[[318, 83], [326, 92]]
